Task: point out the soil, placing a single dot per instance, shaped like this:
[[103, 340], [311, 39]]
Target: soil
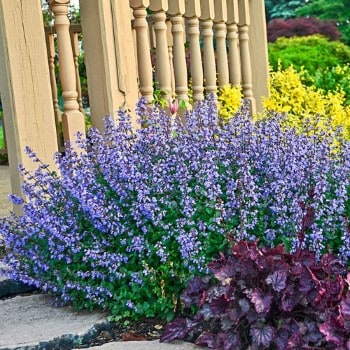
[[148, 329]]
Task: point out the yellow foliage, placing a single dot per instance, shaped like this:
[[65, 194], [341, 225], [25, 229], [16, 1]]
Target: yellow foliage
[[288, 94], [229, 100]]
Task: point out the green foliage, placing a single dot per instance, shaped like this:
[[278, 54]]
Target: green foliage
[[333, 79], [312, 52], [2, 142], [48, 17], [282, 9], [323, 63], [338, 10]]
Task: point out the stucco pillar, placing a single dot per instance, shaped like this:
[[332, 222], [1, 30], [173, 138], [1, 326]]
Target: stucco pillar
[[25, 86]]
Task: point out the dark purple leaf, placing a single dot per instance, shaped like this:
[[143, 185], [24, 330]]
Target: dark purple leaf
[[334, 288], [331, 264], [262, 303], [312, 334], [177, 329], [331, 331], [239, 310], [217, 264], [345, 306], [226, 323], [281, 340], [263, 335], [308, 218], [276, 252], [207, 339], [295, 341], [232, 340], [194, 293], [277, 280], [306, 282], [219, 306], [246, 249], [307, 258], [225, 272], [290, 301]]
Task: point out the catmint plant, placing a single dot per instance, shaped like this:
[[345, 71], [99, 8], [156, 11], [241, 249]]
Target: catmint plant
[[131, 215]]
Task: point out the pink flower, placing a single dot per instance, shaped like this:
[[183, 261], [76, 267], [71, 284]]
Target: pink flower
[[173, 105]]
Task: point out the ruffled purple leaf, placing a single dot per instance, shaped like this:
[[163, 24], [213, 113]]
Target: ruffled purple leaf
[[306, 281], [307, 258], [275, 252], [290, 301], [332, 332], [225, 272], [331, 264], [219, 306], [263, 335], [246, 249], [277, 280], [177, 329], [345, 306], [208, 340], [262, 303], [231, 340], [195, 293]]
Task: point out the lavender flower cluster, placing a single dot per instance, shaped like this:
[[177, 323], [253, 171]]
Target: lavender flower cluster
[[133, 215]]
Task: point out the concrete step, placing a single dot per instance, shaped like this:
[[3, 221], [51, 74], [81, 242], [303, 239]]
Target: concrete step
[[33, 322]]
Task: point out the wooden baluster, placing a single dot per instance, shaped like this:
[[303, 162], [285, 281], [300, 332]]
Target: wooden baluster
[[176, 11], [193, 12], [143, 48], [159, 8], [221, 50], [171, 57], [75, 29], [243, 28], [50, 47], [73, 120], [233, 42], [209, 66]]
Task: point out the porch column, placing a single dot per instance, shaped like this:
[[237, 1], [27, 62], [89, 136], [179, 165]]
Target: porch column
[[25, 86], [258, 51], [109, 57]]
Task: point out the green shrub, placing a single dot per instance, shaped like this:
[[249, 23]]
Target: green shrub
[[312, 52], [2, 141], [332, 79]]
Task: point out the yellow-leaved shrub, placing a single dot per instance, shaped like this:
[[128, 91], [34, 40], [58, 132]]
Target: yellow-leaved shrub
[[288, 94], [229, 100]]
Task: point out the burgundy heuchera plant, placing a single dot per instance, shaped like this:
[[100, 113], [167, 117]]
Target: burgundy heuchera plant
[[266, 298]]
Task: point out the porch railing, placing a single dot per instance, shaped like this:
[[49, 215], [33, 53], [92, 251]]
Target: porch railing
[[205, 42], [129, 48]]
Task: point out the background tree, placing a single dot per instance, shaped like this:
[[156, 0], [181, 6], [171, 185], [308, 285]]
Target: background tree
[[282, 8], [338, 10]]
